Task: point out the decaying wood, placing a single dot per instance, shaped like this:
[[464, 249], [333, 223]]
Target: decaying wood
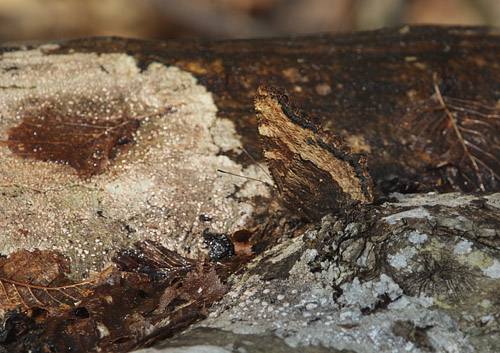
[[421, 103], [372, 88]]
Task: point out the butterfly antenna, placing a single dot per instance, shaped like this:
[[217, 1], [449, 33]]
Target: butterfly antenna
[[244, 176], [257, 163]]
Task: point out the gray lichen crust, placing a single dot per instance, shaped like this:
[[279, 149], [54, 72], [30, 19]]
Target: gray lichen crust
[[157, 189], [418, 275]]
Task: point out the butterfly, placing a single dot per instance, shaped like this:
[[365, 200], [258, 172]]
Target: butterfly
[[315, 173]]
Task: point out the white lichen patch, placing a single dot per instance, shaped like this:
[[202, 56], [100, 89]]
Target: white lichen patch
[[418, 212], [493, 271], [463, 247], [367, 294], [157, 189], [400, 260], [417, 238]]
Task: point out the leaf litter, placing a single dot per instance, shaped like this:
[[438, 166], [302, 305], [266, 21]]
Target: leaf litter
[[150, 294]]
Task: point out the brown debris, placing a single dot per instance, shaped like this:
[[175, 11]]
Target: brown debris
[[242, 244], [153, 293]]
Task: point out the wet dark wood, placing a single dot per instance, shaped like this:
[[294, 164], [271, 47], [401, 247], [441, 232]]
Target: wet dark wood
[[372, 88]]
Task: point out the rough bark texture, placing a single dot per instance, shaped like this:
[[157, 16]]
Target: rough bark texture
[[416, 272], [372, 88], [421, 275]]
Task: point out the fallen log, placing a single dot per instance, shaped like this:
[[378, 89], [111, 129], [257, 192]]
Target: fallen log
[[403, 270]]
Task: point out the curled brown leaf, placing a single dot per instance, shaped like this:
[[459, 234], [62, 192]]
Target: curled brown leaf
[[38, 279], [151, 293]]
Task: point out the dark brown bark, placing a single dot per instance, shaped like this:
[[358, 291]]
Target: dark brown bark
[[379, 90]]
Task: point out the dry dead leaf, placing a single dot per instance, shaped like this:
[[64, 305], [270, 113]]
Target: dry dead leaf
[[85, 142], [153, 259], [37, 279], [151, 294], [461, 136], [186, 302]]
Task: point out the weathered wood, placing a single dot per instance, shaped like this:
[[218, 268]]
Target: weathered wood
[[417, 275], [420, 271], [372, 88]]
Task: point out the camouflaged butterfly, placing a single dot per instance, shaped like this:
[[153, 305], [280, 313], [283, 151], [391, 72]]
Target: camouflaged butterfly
[[314, 171]]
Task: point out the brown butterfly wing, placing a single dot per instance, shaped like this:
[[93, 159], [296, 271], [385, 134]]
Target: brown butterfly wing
[[314, 172]]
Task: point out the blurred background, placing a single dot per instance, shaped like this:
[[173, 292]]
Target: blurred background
[[223, 19]]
